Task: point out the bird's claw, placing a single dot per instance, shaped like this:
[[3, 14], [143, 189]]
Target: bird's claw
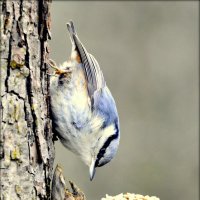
[[58, 71]]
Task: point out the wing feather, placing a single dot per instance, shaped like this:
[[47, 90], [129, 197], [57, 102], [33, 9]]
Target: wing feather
[[91, 67]]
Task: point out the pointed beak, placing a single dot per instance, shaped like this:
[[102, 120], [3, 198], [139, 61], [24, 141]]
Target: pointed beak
[[92, 169]]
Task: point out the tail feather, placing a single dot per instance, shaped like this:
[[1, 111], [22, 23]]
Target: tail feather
[[70, 26], [72, 32]]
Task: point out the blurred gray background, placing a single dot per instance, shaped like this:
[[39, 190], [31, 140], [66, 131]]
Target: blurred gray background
[[148, 52]]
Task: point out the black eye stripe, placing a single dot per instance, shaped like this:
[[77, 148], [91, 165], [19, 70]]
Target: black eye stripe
[[106, 144], [103, 149]]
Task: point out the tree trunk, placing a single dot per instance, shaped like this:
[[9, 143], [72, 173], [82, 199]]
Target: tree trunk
[[27, 150]]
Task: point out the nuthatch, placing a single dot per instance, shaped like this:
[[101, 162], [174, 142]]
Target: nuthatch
[[84, 113]]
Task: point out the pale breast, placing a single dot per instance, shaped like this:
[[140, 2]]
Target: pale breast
[[71, 103]]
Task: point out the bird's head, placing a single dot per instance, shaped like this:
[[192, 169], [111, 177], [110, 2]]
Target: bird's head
[[104, 148]]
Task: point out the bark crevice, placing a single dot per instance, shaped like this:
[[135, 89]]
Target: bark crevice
[[9, 50]]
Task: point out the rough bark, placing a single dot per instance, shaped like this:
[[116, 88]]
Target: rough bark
[[27, 150]]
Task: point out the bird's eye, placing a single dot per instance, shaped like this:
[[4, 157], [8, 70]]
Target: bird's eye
[[101, 152]]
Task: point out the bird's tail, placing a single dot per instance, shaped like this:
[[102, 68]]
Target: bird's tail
[[72, 33]]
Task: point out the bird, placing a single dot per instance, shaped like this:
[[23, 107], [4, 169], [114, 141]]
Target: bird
[[83, 110]]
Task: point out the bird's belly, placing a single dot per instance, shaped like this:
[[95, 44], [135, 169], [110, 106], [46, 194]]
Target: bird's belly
[[71, 108]]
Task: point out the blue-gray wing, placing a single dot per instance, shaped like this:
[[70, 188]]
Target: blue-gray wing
[[91, 67]]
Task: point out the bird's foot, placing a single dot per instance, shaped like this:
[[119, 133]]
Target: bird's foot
[[58, 71]]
